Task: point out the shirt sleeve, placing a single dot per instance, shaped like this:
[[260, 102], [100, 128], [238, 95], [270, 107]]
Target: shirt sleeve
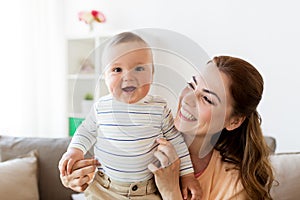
[[175, 137], [86, 134]]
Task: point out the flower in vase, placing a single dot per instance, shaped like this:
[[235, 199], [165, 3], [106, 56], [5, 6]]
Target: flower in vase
[[89, 17]]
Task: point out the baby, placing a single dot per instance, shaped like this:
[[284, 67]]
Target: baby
[[122, 127]]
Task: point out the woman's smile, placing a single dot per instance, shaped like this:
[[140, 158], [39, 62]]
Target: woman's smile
[[185, 115]]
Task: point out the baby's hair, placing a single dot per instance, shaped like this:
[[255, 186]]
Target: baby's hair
[[126, 37]]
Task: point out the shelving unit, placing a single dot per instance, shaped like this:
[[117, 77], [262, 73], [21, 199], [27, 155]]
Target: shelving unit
[[84, 72]]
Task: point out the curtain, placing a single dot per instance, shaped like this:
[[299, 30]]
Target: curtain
[[33, 72]]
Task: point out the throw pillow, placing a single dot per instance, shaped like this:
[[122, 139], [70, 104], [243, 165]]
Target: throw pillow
[[19, 178], [49, 151], [286, 170]]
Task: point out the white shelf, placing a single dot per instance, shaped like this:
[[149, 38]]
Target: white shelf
[[91, 35], [77, 115], [83, 51], [82, 76]]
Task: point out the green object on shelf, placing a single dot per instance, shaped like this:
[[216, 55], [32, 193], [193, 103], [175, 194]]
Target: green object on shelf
[[74, 122]]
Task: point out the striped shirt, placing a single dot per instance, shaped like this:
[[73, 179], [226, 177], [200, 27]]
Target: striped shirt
[[123, 136]]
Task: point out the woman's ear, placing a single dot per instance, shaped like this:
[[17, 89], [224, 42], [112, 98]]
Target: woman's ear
[[235, 122]]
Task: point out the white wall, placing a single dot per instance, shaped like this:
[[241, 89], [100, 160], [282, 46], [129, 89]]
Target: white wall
[[32, 77], [266, 33]]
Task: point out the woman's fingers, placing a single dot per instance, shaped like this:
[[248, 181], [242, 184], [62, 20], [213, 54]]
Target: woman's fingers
[[83, 171], [62, 166], [169, 151], [76, 184], [70, 165], [84, 163], [184, 192], [165, 153], [163, 159], [80, 181], [80, 188], [152, 168]]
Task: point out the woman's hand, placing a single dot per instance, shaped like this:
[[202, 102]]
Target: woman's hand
[[167, 177], [82, 173], [68, 160]]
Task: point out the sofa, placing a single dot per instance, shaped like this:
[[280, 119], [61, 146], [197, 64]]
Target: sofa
[[48, 151], [28, 169]]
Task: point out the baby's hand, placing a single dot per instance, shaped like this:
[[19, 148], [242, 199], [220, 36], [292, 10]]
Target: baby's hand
[[190, 185], [68, 160]]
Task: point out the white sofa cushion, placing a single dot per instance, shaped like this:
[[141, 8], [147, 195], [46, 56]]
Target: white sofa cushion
[[19, 178], [287, 173]]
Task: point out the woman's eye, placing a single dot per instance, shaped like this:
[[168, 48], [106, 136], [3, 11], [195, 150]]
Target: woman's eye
[[117, 69], [208, 100], [139, 68]]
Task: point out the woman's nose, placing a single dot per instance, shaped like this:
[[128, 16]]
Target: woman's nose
[[189, 99]]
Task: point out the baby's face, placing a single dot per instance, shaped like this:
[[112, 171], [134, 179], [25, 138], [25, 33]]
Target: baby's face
[[129, 76]]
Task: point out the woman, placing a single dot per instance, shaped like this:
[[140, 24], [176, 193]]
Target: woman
[[218, 117]]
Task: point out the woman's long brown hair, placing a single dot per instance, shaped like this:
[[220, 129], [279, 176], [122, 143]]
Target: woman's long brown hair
[[245, 146]]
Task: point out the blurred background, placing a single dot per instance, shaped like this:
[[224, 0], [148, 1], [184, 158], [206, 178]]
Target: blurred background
[[38, 38]]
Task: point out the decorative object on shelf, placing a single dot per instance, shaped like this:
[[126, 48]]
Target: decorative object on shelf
[[87, 67], [87, 103], [89, 97], [89, 17]]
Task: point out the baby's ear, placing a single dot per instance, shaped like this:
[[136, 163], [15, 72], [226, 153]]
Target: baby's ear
[[235, 122]]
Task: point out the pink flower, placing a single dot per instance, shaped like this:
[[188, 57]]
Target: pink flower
[[98, 16], [91, 16]]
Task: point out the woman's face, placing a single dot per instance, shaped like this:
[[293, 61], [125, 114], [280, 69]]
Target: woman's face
[[205, 104]]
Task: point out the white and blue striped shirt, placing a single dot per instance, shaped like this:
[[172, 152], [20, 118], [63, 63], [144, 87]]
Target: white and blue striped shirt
[[123, 136]]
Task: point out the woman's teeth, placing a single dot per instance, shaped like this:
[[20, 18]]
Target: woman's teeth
[[187, 115]]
